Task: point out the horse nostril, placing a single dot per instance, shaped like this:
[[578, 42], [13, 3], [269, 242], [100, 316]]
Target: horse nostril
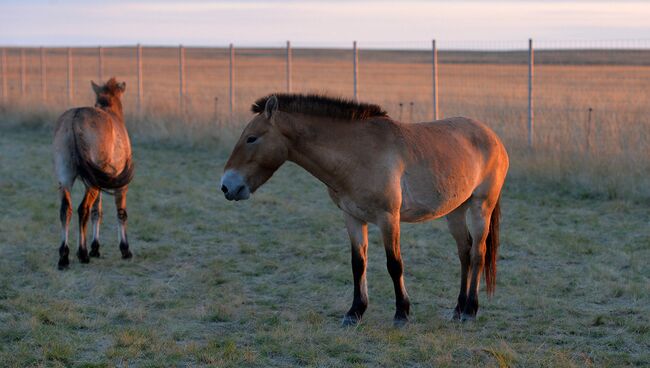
[[239, 189], [224, 189]]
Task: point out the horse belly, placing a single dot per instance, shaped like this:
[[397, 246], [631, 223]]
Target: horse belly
[[424, 200]]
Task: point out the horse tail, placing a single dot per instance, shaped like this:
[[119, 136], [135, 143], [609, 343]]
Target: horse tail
[[92, 174], [492, 245]]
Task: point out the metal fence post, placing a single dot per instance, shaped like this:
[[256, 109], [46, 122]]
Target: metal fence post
[[355, 70], [434, 66], [5, 92], [181, 79], [43, 75], [23, 82], [100, 64], [531, 70], [140, 90], [69, 85], [288, 67], [232, 81]]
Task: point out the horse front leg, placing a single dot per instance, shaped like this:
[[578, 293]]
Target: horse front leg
[[120, 204], [358, 232], [96, 218], [65, 215], [84, 213], [390, 227]]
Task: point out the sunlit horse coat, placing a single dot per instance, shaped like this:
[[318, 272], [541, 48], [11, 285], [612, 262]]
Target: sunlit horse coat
[[92, 143], [381, 171]]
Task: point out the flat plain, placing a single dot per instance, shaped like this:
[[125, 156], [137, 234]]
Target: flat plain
[[265, 282], [592, 117]]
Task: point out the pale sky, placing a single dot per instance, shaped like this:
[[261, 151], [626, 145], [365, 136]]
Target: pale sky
[[315, 23]]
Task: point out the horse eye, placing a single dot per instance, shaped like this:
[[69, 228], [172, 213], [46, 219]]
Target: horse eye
[[251, 139]]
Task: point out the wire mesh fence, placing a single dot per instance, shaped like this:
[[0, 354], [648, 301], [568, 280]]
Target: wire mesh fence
[[587, 95]]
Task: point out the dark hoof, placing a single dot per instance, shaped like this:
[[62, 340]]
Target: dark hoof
[[64, 263], [350, 320], [94, 249], [467, 317], [82, 254], [401, 319], [457, 314], [400, 322], [126, 253], [470, 311]]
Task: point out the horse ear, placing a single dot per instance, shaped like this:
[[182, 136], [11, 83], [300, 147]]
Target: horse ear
[[96, 88], [271, 106], [122, 86]]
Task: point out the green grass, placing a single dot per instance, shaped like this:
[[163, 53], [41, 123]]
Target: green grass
[[265, 282]]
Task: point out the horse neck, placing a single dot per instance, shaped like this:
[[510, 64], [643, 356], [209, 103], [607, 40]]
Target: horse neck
[[116, 109], [315, 144]]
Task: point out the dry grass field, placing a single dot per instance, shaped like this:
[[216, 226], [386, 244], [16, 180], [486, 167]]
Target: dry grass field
[[607, 153], [266, 281]]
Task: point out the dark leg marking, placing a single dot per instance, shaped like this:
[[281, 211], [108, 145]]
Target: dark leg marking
[[358, 232], [124, 248], [360, 301], [65, 213], [64, 260], [94, 249], [124, 243], [82, 252], [402, 303], [96, 216]]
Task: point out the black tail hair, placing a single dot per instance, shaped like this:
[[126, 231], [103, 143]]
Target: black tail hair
[[94, 176], [492, 244]]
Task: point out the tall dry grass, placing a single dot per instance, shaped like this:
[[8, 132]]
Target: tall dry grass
[[605, 153]]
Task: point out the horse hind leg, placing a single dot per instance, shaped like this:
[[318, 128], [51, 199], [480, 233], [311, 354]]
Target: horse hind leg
[[457, 224], [480, 212], [65, 214], [96, 218], [120, 204], [84, 213], [66, 174]]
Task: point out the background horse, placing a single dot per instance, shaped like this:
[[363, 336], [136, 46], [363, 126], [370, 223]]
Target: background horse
[[381, 171], [92, 143]]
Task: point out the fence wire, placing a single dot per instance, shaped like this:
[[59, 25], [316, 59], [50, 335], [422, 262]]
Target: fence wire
[[589, 95]]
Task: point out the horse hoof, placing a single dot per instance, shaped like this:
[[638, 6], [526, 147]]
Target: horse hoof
[[467, 317], [350, 321], [64, 263], [400, 321], [124, 248], [455, 316], [83, 256], [126, 254], [94, 249]]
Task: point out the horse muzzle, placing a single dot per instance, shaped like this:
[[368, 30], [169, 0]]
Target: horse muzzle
[[234, 187]]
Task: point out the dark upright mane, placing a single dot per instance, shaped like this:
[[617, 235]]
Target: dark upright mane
[[111, 87], [312, 104]]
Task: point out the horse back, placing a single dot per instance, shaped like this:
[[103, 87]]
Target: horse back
[[101, 136], [453, 142], [445, 162]]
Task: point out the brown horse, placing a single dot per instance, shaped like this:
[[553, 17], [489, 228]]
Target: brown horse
[[381, 171], [92, 143]]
